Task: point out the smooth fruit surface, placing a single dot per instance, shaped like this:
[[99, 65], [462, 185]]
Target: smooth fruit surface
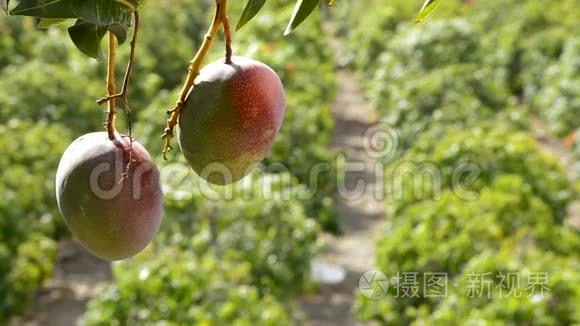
[[231, 118], [114, 215]]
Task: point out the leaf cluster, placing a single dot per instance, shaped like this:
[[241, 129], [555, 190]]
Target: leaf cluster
[[93, 19]]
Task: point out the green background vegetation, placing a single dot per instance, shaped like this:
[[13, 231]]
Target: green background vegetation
[[467, 85]]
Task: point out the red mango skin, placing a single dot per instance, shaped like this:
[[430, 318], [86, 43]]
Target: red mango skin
[[112, 216], [231, 118]]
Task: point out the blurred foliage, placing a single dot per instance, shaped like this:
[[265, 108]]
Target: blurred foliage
[[518, 50], [461, 199], [467, 195], [558, 101], [380, 24], [446, 235], [259, 221], [165, 46], [173, 287], [575, 146], [227, 254], [432, 74], [54, 94], [467, 161], [29, 220], [527, 38], [49, 93], [458, 90], [472, 190], [556, 304]]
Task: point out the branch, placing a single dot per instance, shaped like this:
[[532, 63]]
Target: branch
[[111, 110], [123, 93], [192, 73]]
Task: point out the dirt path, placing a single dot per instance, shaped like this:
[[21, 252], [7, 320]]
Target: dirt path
[[557, 148], [359, 217], [63, 298]]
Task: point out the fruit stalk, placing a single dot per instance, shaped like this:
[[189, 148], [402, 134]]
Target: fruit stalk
[[227, 37], [192, 73], [111, 109], [133, 46]]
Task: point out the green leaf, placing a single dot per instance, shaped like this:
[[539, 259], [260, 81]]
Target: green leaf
[[4, 4], [45, 8], [96, 17], [302, 10], [252, 8], [51, 22], [120, 32], [103, 12], [427, 9], [87, 37]]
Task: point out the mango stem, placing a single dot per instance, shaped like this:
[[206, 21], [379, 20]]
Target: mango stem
[[133, 46], [111, 108], [192, 73], [227, 36]]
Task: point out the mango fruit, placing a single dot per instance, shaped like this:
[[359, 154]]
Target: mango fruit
[[231, 118], [113, 211]]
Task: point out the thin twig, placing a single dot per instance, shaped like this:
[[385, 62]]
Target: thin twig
[[227, 35], [123, 93], [125, 88]]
